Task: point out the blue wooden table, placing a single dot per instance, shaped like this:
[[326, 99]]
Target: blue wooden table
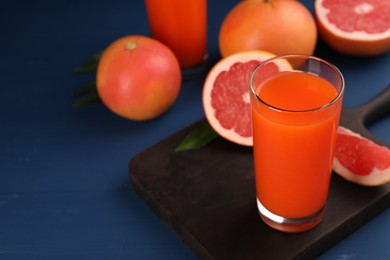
[[65, 191]]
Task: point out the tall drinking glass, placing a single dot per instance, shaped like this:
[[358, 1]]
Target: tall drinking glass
[[296, 103], [182, 26]]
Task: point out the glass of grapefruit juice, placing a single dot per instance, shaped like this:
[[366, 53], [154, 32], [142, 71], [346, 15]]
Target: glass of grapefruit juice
[[296, 103], [182, 26]]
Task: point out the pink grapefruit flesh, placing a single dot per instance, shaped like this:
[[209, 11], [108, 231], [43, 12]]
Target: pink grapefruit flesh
[[226, 99], [355, 27], [359, 160]]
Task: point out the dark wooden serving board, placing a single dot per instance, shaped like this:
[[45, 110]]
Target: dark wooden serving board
[[207, 197]]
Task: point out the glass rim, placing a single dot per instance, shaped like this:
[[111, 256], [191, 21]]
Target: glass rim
[[307, 57]]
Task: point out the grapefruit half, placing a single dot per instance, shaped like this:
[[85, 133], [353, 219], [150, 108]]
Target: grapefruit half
[[359, 160], [226, 98], [355, 27]]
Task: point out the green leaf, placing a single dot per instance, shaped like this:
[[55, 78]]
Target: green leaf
[[84, 89], [89, 95], [200, 136], [90, 65]]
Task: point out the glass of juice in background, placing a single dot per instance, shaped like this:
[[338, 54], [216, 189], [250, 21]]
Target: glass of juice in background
[[182, 26], [295, 116]]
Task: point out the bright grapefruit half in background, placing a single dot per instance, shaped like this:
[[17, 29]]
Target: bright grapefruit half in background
[[276, 26], [355, 27], [359, 160], [226, 98], [138, 77]]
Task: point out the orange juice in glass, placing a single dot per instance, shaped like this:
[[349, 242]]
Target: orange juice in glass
[[295, 115], [182, 26]]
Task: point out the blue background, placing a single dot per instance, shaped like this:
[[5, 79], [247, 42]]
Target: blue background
[[64, 186]]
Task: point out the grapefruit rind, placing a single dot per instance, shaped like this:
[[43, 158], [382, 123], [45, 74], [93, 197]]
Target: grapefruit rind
[[224, 65], [375, 178], [354, 43], [279, 27]]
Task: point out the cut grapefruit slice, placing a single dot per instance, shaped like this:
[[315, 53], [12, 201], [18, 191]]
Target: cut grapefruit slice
[[226, 99], [359, 160], [355, 27]]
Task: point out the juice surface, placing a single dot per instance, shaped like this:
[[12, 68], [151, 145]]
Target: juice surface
[[182, 26], [293, 162], [297, 91]]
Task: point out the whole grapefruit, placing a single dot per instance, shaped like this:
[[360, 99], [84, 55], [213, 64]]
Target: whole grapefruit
[[226, 97], [356, 27], [276, 26], [138, 77]]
